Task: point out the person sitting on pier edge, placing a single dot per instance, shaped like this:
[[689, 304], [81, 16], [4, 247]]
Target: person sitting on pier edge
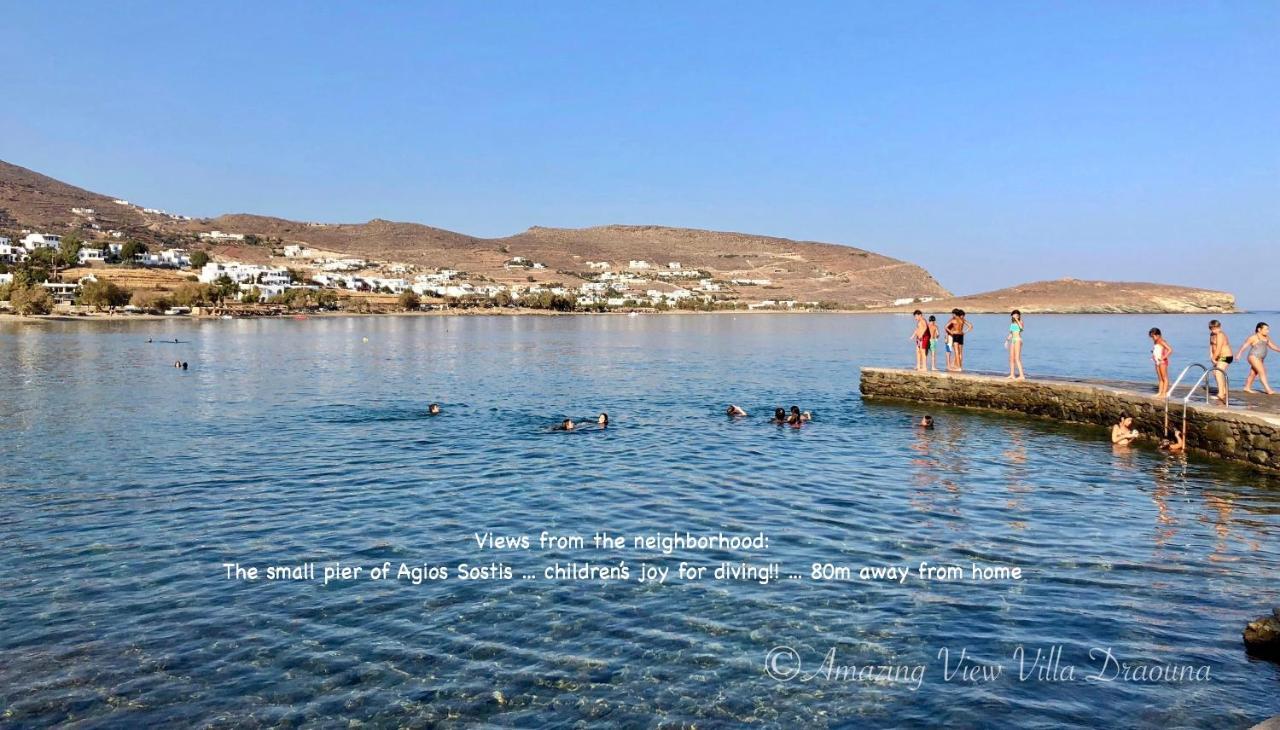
[[735, 411], [1177, 446], [1123, 433]]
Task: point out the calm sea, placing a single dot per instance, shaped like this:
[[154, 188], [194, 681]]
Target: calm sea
[[126, 484]]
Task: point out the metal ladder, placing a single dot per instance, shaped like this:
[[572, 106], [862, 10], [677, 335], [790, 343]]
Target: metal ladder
[[1202, 380]]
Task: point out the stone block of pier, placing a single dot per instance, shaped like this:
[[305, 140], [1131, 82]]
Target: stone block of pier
[[1248, 436]]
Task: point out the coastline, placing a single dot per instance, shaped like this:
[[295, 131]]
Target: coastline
[[510, 312]]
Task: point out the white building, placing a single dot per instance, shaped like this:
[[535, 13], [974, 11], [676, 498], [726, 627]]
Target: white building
[[10, 254], [633, 264], [177, 258], [83, 211], [751, 282], [219, 235], [673, 265], [598, 265], [90, 255], [244, 273], [32, 241], [295, 251]]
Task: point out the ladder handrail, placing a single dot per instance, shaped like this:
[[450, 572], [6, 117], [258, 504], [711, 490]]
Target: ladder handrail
[[1202, 380]]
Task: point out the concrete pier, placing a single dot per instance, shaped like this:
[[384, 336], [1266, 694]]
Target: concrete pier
[[1248, 433]]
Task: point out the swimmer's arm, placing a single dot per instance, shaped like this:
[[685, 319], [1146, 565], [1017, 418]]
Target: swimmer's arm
[[1272, 344], [1244, 347]]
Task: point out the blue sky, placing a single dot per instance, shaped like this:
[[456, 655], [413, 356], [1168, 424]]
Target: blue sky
[[994, 143]]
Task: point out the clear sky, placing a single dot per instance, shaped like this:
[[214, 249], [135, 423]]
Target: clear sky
[[992, 142]]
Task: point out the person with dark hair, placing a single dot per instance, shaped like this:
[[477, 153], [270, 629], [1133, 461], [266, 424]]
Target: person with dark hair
[[920, 335], [1258, 344], [433, 409], [1160, 352], [1013, 342], [1123, 433], [926, 422], [956, 330], [1221, 357], [566, 425], [933, 343], [779, 416], [184, 364], [603, 420], [735, 411]]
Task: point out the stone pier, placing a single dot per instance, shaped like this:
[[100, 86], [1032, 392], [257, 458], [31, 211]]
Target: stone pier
[[1248, 433]]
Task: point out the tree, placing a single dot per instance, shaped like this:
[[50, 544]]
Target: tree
[[130, 251], [99, 294], [252, 240], [69, 251], [253, 296], [30, 299], [193, 295], [199, 259], [409, 299], [225, 288]]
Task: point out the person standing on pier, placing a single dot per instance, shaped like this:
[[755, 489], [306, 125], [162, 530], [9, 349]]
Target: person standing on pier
[[1013, 341], [1160, 352], [933, 343], [1258, 344], [956, 329], [920, 336], [1221, 357]]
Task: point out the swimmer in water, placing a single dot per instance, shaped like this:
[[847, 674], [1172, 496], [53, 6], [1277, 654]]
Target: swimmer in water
[[794, 421], [184, 365], [177, 363], [433, 409], [797, 414], [779, 416], [566, 425], [603, 420], [734, 411], [926, 422], [1123, 433], [1177, 446]]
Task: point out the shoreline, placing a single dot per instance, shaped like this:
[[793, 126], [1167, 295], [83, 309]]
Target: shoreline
[[138, 317]]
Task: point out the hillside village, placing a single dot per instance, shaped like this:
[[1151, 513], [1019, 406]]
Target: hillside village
[[94, 268]]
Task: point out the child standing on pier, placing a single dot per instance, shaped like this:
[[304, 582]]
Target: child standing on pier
[[1258, 344], [933, 344], [1221, 357], [1160, 352], [920, 335]]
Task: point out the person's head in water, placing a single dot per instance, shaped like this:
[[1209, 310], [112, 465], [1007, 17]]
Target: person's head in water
[[434, 409], [184, 364], [779, 415], [603, 419], [567, 425], [734, 411], [926, 422], [795, 410], [794, 419], [1126, 421]]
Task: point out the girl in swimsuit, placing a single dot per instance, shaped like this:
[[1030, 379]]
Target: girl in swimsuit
[[1258, 344], [1160, 352], [1014, 342]]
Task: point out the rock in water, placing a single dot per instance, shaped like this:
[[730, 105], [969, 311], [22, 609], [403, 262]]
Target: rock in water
[[1262, 637]]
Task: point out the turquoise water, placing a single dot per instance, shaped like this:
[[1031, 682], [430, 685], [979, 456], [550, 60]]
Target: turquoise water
[[127, 484]]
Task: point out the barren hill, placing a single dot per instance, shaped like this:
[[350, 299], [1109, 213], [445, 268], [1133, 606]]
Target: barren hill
[[1074, 296], [768, 268]]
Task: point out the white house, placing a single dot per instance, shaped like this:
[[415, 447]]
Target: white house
[[10, 254], [244, 273], [598, 265], [178, 258], [89, 255], [220, 236], [633, 264], [82, 211], [32, 241], [673, 265], [295, 251]]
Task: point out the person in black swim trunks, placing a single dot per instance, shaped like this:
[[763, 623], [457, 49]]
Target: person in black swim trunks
[[1221, 357], [956, 329]]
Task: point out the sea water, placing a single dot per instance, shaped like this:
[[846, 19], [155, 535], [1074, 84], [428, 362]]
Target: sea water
[[888, 553]]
